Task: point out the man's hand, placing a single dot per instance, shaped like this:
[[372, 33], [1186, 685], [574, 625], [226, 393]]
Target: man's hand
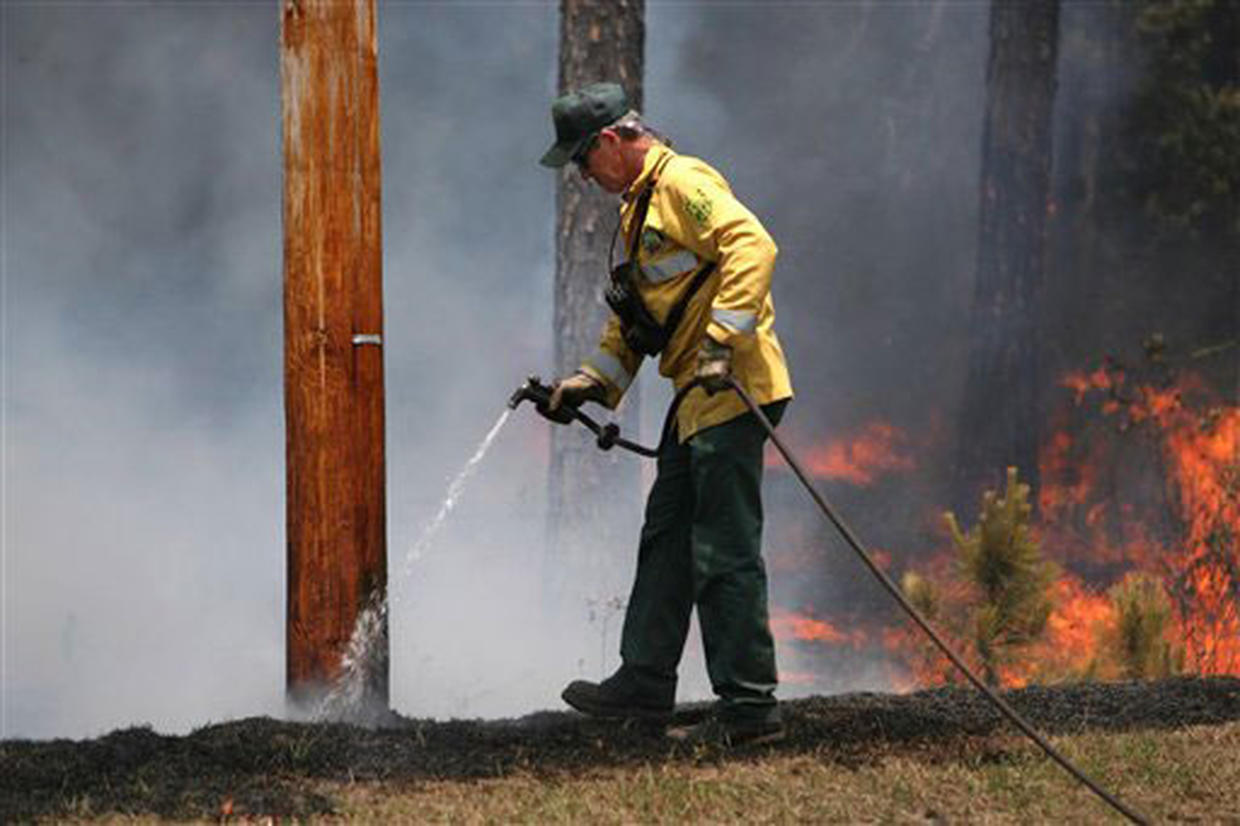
[[714, 365], [576, 389]]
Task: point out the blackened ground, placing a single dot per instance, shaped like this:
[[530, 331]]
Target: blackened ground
[[267, 766]]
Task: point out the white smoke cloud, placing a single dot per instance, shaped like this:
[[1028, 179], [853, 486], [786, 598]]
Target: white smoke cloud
[[143, 440]]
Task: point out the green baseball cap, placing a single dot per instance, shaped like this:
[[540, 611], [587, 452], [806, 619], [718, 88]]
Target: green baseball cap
[[579, 116]]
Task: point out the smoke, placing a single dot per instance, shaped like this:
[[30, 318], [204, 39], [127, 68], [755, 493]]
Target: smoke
[[857, 140], [143, 429], [142, 436]]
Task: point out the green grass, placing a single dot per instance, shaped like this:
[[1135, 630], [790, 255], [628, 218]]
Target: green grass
[[1190, 775]]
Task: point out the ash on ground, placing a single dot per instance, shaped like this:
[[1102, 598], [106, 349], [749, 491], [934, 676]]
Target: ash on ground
[[272, 767]]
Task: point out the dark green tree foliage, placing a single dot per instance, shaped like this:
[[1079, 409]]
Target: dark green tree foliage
[[1185, 123], [1146, 230], [1012, 580]]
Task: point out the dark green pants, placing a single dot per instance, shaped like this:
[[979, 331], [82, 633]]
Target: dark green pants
[[701, 545]]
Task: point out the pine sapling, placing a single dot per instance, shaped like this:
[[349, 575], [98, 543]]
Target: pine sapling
[[1143, 620], [1003, 562]]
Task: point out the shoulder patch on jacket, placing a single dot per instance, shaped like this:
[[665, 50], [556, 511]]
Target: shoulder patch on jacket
[[699, 206]]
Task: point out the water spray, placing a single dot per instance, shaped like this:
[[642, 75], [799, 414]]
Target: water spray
[[366, 651], [345, 700]]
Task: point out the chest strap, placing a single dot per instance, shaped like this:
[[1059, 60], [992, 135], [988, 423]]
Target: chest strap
[[642, 332]]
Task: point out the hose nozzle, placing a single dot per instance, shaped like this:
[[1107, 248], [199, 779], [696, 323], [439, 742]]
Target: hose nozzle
[[533, 390], [540, 394]]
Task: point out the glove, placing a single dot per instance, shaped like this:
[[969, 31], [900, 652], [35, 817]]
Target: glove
[[577, 388], [714, 365]]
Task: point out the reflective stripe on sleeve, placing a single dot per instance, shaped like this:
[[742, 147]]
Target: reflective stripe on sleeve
[[669, 267], [742, 321], [611, 368]]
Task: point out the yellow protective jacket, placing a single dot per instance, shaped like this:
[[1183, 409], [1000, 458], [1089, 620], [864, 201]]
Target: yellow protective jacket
[[694, 219]]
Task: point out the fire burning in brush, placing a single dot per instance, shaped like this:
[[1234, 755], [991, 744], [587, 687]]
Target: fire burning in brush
[[1069, 647], [1139, 508], [878, 450], [788, 625], [1196, 556]]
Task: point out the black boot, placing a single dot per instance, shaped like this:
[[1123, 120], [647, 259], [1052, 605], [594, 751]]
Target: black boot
[[622, 695], [715, 731], [733, 724]]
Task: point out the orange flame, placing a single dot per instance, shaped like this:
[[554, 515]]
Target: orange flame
[[1066, 482], [1070, 646], [1200, 455], [1205, 465], [786, 625], [1068, 649], [879, 449], [1098, 523], [1081, 383]]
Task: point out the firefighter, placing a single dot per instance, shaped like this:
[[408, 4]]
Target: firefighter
[[694, 290]]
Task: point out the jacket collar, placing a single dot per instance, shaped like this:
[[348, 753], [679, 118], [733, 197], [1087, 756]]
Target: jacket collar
[[656, 158]]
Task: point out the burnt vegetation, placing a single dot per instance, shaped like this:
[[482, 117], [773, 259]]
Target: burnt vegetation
[[268, 767]]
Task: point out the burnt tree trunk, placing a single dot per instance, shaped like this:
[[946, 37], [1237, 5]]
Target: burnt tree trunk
[[999, 421], [333, 361], [593, 497]]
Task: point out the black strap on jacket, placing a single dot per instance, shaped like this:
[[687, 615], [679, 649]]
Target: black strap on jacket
[[640, 314]]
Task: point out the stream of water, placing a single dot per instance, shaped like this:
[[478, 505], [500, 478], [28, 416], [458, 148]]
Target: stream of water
[[366, 653]]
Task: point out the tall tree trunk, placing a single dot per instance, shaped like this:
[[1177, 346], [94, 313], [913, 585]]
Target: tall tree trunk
[[999, 422], [333, 391], [594, 496]]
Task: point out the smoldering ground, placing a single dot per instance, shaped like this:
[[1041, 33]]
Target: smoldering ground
[[143, 440], [259, 767]]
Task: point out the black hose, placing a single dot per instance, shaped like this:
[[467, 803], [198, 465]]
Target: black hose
[[609, 435], [912, 611]]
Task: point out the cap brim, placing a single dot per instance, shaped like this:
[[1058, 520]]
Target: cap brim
[[562, 153]]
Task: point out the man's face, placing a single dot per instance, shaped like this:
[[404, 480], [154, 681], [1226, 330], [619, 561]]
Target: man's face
[[603, 163]]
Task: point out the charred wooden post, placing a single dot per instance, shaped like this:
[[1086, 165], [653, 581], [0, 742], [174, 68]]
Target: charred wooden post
[[333, 328], [593, 497]]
